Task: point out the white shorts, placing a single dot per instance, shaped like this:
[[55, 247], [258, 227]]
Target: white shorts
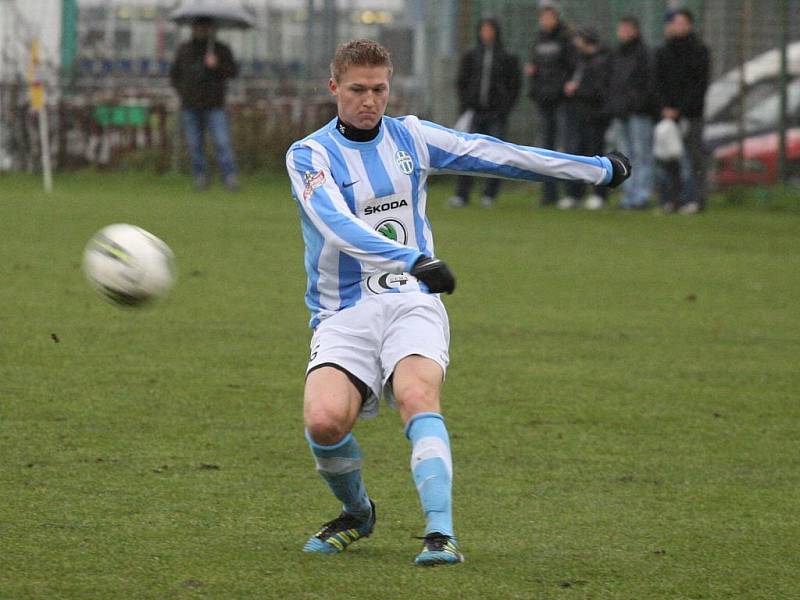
[[370, 338]]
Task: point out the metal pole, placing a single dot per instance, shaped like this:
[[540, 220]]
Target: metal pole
[[744, 38], [44, 139], [420, 53], [465, 32], [310, 42], [783, 171], [4, 160], [331, 33], [447, 24]]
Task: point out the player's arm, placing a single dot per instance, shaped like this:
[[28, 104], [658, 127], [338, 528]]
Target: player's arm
[[320, 199], [476, 154]]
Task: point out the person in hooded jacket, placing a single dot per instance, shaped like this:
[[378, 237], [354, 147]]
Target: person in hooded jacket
[[586, 93], [631, 106], [682, 71], [488, 85], [550, 66]]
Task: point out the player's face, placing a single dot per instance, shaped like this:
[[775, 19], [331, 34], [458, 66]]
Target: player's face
[[361, 95]]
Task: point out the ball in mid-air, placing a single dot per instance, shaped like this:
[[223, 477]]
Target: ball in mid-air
[[128, 265]]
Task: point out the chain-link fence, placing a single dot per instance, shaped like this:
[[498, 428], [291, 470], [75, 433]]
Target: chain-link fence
[[123, 52], [735, 30]]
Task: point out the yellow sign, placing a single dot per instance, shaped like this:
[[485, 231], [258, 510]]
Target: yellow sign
[[37, 95], [36, 86]]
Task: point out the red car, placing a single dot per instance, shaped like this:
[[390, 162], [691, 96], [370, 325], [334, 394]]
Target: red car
[[760, 165]]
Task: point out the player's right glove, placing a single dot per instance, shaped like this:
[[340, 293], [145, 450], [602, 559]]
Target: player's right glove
[[434, 274], [621, 168]]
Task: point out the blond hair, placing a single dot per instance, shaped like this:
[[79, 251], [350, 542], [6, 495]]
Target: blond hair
[[359, 53]]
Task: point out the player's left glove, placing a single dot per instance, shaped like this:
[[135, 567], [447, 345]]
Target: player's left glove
[[621, 168], [435, 274]]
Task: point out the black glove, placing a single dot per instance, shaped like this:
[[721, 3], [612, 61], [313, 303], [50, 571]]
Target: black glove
[[621, 166], [435, 274]]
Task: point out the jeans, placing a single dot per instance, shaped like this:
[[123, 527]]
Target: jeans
[[195, 122], [586, 136], [488, 123], [635, 136], [552, 119]]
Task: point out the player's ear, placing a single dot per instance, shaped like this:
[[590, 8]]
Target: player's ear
[[333, 86]]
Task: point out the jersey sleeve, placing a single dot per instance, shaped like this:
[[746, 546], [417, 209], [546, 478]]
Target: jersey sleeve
[[452, 151], [320, 199]]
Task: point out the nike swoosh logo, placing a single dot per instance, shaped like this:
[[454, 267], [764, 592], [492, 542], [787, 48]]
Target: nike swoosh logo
[[347, 185]]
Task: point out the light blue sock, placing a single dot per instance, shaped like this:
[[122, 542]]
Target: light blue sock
[[340, 466], [432, 468]]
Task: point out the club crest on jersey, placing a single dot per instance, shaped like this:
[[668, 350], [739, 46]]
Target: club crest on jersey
[[404, 161], [313, 181], [393, 229]]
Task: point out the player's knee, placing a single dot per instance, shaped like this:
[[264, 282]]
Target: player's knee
[[417, 397], [325, 429]]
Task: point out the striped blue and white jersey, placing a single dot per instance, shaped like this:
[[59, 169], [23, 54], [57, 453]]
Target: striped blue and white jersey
[[362, 204]]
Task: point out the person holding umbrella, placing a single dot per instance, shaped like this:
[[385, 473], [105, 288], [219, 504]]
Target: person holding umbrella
[[199, 74]]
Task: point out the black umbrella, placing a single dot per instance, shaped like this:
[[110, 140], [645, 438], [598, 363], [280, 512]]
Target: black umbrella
[[224, 14]]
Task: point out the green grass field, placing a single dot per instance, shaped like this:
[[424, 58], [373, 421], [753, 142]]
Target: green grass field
[[623, 403]]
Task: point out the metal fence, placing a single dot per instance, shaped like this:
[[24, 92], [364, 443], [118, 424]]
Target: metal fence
[[729, 27], [735, 31], [282, 94]]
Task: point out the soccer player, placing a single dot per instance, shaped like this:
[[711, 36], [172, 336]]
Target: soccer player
[[374, 283]]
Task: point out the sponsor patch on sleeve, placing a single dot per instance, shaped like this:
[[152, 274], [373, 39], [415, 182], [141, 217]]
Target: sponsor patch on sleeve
[[313, 180]]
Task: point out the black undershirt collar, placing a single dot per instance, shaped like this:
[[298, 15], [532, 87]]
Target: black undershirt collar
[[357, 135]]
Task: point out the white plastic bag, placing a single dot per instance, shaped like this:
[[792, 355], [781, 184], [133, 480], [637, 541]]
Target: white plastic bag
[[667, 140], [464, 122]]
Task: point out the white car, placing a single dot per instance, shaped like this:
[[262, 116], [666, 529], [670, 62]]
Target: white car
[[761, 77]]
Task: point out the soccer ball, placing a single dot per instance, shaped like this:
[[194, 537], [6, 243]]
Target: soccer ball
[[128, 265]]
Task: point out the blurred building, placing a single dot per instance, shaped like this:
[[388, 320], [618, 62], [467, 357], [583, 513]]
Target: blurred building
[[106, 54], [20, 24], [23, 27], [130, 43]]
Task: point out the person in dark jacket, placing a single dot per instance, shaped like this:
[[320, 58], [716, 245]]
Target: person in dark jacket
[[552, 60], [586, 93], [682, 68], [488, 85], [199, 74], [631, 106]]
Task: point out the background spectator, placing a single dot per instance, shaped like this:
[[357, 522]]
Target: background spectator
[[682, 69], [586, 93], [199, 73], [631, 105], [488, 85], [549, 68]]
